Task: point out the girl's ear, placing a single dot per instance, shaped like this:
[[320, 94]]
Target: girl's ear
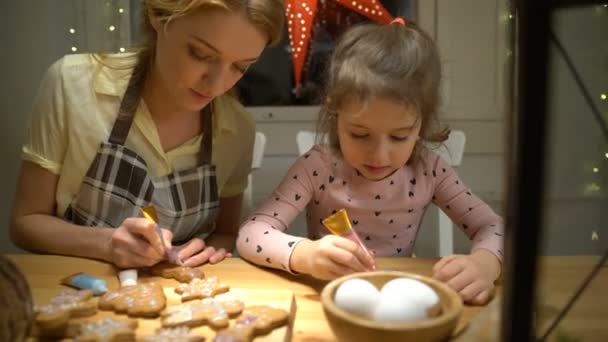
[[154, 20]]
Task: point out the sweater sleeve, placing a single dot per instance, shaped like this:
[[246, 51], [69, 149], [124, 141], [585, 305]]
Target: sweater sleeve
[[473, 216], [262, 238]]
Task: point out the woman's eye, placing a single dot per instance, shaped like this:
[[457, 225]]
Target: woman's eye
[[399, 138], [241, 69], [194, 54]]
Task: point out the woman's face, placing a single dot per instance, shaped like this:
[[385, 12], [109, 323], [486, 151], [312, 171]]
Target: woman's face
[[202, 55], [377, 137]]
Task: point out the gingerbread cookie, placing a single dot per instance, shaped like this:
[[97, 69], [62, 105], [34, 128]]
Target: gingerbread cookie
[[201, 288], [183, 274], [142, 300], [212, 311], [253, 321], [107, 329], [181, 334], [52, 318]]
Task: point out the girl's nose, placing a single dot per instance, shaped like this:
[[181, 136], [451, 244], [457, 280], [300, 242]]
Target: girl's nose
[[379, 153]]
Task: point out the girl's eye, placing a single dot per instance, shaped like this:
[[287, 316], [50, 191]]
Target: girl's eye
[[359, 136], [399, 138]]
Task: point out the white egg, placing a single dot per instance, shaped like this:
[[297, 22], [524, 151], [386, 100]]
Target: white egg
[[398, 309], [419, 292], [357, 296]]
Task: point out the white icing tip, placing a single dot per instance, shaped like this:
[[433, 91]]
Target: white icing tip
[[128, 277]]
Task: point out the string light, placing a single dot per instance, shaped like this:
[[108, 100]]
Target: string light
[[112, 28], [120, 10], [74, 49], [122, 49], [596, 170], [606, 155], [604, 96], [72, 30], [510, 16]]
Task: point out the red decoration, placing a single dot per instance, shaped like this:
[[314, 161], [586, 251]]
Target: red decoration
[[300, 15]]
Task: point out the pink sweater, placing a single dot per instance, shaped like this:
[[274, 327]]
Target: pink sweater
[[386, 214]]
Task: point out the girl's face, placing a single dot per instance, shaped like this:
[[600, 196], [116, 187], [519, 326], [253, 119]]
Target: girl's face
[[377, 137], [202, 55]]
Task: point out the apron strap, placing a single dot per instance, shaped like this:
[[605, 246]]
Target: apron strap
[[128, 105], [205, 151]]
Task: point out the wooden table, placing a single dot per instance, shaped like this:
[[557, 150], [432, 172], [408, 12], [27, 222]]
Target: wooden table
[[560, 276]]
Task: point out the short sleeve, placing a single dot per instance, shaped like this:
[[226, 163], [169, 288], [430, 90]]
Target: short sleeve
[[241, 155], [47, 139]]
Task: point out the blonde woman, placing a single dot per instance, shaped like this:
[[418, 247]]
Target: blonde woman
[[115, 133]]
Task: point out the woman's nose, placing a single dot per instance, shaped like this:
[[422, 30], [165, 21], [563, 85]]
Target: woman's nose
[[214, 81]]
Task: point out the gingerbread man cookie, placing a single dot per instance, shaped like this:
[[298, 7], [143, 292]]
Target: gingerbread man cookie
[[52, 318], [183, 274], [253, 321], [107, 329], [141, 300], [181, 334], [201, 288], [212, 311]]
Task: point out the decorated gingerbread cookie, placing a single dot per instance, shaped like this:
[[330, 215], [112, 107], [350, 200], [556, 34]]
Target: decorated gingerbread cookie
[[183, 274], [201, 288], [52, 318], [181, 334], [211, 311], [253, 321], [141, 300], [106, 329]]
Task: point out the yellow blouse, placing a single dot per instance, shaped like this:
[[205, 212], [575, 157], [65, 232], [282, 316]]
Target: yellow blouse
[[75, 110]]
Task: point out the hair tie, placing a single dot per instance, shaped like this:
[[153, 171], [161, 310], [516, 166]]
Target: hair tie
[[399, 21]]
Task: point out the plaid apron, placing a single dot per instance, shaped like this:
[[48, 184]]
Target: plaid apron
[[117, 184]]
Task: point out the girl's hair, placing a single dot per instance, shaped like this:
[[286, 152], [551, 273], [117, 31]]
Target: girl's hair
[[397, 62]]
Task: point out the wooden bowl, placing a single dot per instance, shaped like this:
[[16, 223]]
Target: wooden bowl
[[350, 327]]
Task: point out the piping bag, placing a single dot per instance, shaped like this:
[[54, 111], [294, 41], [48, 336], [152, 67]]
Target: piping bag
[[150, 213], [339, 224]]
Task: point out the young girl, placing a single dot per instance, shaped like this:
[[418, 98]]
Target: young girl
[[382, 98], [112, 134]]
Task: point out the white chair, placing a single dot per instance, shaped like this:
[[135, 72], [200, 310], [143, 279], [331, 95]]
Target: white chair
[[305, 140], [451, 151], [256, 162]]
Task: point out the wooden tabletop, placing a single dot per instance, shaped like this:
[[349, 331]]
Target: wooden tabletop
[[560, 276]]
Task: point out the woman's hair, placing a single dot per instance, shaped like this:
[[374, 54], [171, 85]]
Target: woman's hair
[[267, 15], [397, 62]]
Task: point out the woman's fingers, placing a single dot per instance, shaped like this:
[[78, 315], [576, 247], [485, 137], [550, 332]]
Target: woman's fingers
[[201, 257], [168, 238], [130, 244], [145, 229], [218, 256], [190, 248]]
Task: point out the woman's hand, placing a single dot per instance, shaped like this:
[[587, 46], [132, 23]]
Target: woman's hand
[[329, 257], [472, 276], [196, 252], [135, 243]]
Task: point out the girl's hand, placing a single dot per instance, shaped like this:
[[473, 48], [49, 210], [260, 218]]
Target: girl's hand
[[472, 276], [329, 257], [135, 244], [195, 252]]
